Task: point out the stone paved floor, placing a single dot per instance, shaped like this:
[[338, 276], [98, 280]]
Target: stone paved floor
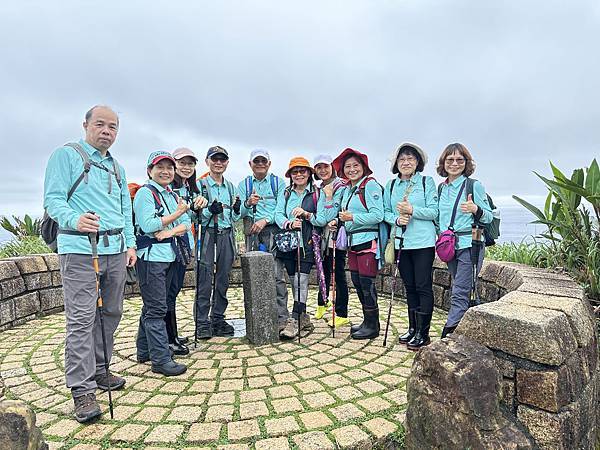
[[323, 393]]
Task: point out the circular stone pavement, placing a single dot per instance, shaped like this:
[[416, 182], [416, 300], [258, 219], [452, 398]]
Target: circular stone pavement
[[323, 393]]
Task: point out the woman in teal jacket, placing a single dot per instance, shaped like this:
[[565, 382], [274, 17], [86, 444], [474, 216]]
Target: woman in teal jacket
[[160, 221], [361, 212], [456, 163], [411, 206]]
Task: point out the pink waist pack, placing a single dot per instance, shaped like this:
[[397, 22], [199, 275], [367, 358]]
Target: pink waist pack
[[445, 246]]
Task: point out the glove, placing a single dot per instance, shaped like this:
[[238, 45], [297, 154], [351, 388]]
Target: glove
[[215, 208], [236, 205]]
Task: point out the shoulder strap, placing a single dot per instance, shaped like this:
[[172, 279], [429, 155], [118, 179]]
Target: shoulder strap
[[440, 189], [117, 170], [274, 184], [248, 186], [205, 190], [458, 197], [286, 196], [155, 195], [361, 191], [469, 188], [86, 167]]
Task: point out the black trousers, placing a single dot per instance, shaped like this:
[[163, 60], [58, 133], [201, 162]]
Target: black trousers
[[416, 270], [341, 283]]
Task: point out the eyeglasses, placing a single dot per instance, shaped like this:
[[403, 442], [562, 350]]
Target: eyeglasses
[[408, 159], [459, 161], [218, 158], [298, 171], [260, 161]]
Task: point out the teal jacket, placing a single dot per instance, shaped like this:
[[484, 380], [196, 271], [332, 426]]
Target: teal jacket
[[462, 221], [364, 226], [148, 221], [283, 211], [114, 207], [265, 209], [183, 192], [329, 210], [224, 193], [420, 231]]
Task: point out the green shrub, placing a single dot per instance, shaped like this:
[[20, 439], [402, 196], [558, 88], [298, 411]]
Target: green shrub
[[22, 227], [27, 245]]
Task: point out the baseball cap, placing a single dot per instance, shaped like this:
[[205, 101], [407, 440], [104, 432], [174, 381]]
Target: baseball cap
[[259, 152], [216, 150], [323, 159], [182, 152], [157, 156]]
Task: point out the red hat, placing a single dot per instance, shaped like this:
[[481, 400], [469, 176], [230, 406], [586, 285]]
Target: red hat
[[338, 163]]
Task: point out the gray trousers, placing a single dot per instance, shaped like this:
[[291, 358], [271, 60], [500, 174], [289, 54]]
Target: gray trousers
[[225, 256], [461, 271], [84, 356]]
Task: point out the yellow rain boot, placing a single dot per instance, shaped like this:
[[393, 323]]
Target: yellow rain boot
[[321, 310], [339, 322]]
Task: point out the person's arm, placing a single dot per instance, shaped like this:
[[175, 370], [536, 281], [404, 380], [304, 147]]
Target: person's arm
[[430, 210], [235, 216], [389, 212], [484, 211], [280, 215], [374, 200], [145, 211], [57, 182], [245, 209]]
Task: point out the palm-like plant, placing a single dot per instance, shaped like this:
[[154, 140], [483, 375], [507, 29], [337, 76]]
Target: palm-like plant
[[22, 227]]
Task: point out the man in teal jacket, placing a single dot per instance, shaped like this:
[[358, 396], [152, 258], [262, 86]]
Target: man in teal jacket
[[102, 190]]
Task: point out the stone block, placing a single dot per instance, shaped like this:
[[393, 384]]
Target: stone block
[[490, 271], [56, 278], [506, 367], [509, 278], [554, 286], [30, 264], [235, 276], [552, 431], [189, 279], [35, 281], [388, 283], [487, 292], [12, 287], [508, 394], [7, 311], [540, 335], [51, 299], [260, 306], [543, 389], [442, 277], [52, 261], [8, 269], [439, 264], [27, 305], [17, 427]]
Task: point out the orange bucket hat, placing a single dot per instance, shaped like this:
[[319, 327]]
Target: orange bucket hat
[[298, 161]]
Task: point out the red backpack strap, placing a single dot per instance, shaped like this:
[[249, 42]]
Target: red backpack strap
[[361, 191]]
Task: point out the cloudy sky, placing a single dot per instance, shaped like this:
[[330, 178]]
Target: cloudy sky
[[517, 82]]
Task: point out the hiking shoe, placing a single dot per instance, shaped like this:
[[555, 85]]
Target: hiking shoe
[[204, 331], [339, 322], [222, 328], [116, 382], [291, 329], [305, 323], [145, 358], [169, 369], [321, 310], [86, 408]]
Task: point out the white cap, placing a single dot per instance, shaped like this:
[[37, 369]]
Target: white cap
[[259, 152], [323, 159]]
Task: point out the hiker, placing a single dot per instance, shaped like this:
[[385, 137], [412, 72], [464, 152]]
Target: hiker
[[260, 192], [218, 246], [295, 215], [162, 225], [184, 185], [70, 196], [361, 212], [456, 164], [410, 202], [332, 188]]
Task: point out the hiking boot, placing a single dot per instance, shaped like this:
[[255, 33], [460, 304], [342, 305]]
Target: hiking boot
[[204, 331], [222, 328], [448, 331], [86, 408], [412, 323], [169, 369], [183, 339], [320, 312], [370, 328], [305, 323], [145, 358], [116, 382], [291, 329], [421, 337], [339, 322]]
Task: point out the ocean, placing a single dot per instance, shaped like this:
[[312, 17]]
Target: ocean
[[515, 225]]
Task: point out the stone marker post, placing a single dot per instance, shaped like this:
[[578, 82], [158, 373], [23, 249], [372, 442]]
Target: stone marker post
[[260, 304]]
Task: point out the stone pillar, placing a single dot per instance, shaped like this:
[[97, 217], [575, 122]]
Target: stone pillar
[[260, 304], [17, 427]]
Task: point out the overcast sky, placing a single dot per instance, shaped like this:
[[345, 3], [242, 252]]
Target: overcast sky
[[517, 82]]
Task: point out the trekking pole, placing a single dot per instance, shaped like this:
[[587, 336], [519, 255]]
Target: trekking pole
[[214, 278], [334, 236], [298, 279], [397, 262], [197, 272], [93, 238], [475, 249]]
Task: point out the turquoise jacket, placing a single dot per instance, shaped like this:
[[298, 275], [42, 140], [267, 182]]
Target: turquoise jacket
[[224, 193], [365, 224], [420, 231], [265, 208], [183, 192], [462, 221], [114, 208], [283, 212], [147, 220], [329, 210]]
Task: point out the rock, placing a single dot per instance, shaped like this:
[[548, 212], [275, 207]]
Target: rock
[[56, 278], [441, 277], [540, 335], [52, 261], [490, 271], [30, 264], [8, 269], [27, 305], [17, 427], [487, 292], [12, 287], [51, 299], [260, 305], [7, 311], [35, 281], [555, 286], [454, 400], [509, 278], [552, 431]]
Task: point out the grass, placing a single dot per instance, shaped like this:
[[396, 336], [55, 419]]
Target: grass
[[27, 245], [535, 253]]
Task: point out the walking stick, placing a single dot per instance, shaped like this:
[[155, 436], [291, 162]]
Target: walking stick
[[334, 237], [93, 238], [475, 249], [197, 266], [214, 278], [387, 324], [298, 278]]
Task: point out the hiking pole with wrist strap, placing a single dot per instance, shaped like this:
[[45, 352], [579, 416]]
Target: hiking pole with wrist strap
[[397, 262], [93, 238], [476, 232], [214, 277], [334, 237], [197, 272], [298, 279]]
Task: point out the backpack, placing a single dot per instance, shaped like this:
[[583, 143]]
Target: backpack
[[383, 228], [273, 179], [206, 193], [491, 231], [49, 227]]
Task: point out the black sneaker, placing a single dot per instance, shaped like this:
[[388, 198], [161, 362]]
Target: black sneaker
[[204, 331], [116, 382], [170, 369], [222, 328], [86, 408]]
